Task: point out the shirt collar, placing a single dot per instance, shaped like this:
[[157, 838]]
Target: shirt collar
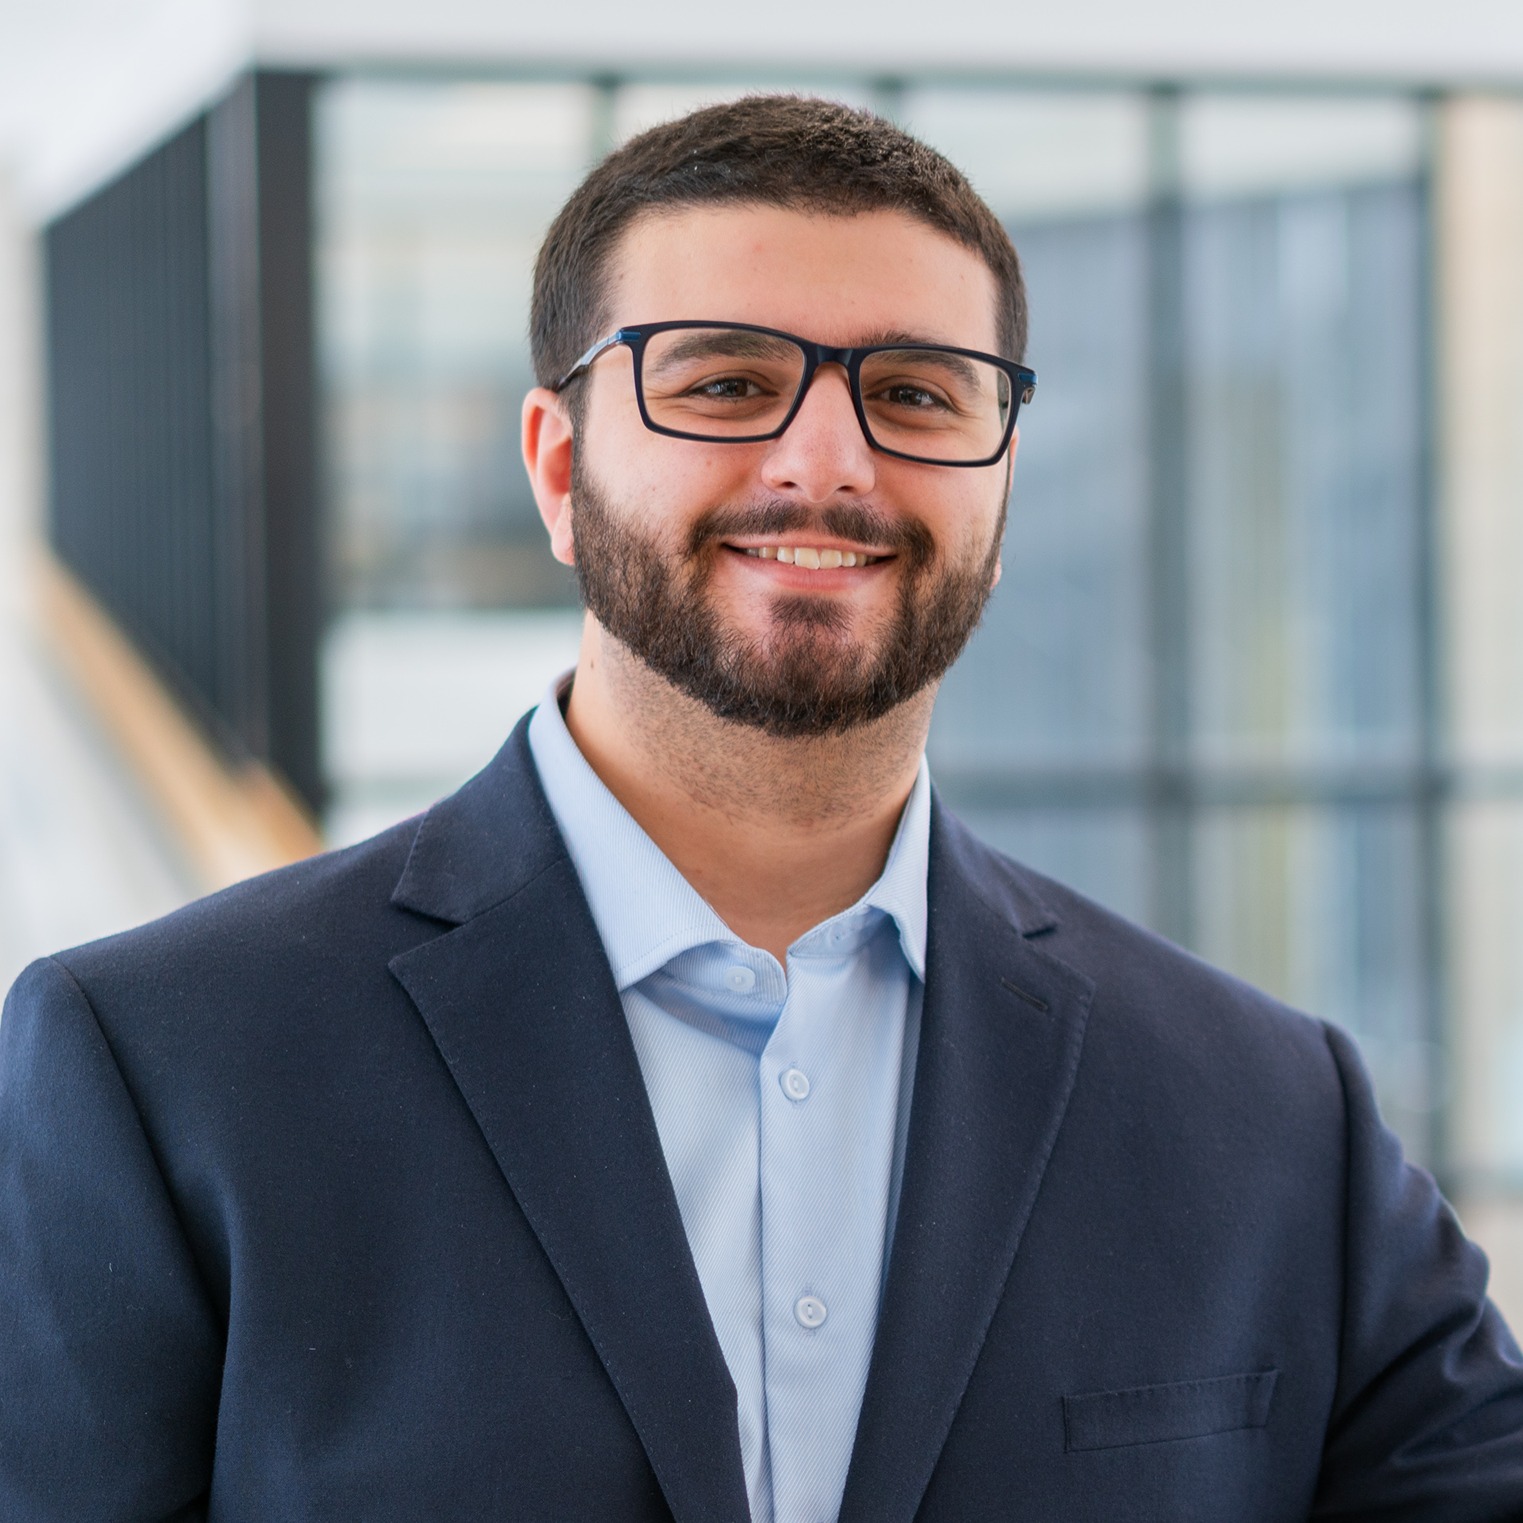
[[643, 930]]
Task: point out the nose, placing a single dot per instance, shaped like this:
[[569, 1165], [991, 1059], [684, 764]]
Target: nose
[[823, 452]]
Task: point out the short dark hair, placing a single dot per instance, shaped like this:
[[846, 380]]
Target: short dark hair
[[790, 151]]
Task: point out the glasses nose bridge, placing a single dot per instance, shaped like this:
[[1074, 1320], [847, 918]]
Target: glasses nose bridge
[[816, 357], [823, 354]]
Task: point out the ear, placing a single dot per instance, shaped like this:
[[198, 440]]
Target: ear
[[547, 448]]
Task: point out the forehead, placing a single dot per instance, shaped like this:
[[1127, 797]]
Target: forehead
[[837, 280]]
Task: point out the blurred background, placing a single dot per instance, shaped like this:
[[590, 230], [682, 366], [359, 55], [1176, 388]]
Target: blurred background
[[271, 576]]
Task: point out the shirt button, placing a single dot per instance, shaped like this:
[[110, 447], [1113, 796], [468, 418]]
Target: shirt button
[[810, 1311], [795, 1084], [741, 980]]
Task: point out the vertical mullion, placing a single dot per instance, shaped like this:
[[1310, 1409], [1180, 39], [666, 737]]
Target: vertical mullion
[[1169, 793], [1433, 789]]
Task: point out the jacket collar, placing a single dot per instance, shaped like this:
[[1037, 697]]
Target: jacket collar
[[522, 1005], [483, 843]]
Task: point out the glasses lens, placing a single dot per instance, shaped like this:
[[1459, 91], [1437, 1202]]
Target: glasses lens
[[723, 383], [935, 404]]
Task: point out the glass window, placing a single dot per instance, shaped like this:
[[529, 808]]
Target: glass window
[[1055, 677], [415, 701], [1319, 906], [1245, 145], [1102, 851], [448, 613], [1485, 927], [432, 199], [1303, 312], [1036, 154]]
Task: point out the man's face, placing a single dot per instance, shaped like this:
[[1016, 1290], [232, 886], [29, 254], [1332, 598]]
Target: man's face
[[676, 542]]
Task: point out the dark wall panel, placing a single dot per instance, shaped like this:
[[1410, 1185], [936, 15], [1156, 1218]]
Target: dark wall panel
[[131, 461], [181, 417]]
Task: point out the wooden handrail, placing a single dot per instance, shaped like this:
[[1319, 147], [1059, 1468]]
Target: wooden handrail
[[230, 821]]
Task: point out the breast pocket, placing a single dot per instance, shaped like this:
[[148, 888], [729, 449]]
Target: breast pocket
[[1159, 1414]]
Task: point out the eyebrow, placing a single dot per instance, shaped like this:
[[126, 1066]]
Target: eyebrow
[[703, 342], [902, 336], [954, 364]]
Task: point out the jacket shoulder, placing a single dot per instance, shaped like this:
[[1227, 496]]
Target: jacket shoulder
[[1149, 991], [260, 929]]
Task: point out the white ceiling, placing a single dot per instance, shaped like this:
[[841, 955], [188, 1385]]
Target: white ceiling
[[85, 84]]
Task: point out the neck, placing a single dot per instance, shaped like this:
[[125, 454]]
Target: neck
[[776, 834]]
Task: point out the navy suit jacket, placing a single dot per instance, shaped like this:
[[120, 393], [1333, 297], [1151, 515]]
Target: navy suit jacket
[[338, 1196]]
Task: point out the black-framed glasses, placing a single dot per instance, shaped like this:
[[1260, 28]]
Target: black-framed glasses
[[736, 383]]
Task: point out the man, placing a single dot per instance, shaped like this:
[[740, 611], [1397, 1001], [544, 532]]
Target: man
[[689, 1119]]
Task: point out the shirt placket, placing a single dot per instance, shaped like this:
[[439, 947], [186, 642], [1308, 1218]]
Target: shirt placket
[[826, 1141]]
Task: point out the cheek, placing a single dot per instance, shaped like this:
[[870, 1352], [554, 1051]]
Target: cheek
[[713, 473], [674, 479], [963, 525]]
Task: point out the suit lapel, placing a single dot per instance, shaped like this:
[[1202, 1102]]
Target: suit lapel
[[992, 1081], [522, 1006]]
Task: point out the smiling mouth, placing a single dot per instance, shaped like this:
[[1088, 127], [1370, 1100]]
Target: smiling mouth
[[810, 557]]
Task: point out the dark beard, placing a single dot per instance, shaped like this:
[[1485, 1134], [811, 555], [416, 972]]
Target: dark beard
[[803, 679]]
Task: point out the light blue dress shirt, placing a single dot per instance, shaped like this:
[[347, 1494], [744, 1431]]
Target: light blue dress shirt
[[782, 1099]]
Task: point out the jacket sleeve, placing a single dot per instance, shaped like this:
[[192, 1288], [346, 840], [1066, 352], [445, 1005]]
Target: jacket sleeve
[[1427, 1422], [110, 1354]]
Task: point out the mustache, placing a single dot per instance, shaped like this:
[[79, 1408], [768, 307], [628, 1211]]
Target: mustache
[[852, 521]]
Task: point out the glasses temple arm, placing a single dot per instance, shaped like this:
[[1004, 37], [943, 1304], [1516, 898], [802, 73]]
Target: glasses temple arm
[[587, 358]]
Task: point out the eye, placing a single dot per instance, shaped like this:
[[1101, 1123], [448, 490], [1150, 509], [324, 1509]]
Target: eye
[[910, 395], [727, 388]]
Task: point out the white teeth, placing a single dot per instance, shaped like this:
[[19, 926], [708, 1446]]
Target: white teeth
[[808, 557]]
